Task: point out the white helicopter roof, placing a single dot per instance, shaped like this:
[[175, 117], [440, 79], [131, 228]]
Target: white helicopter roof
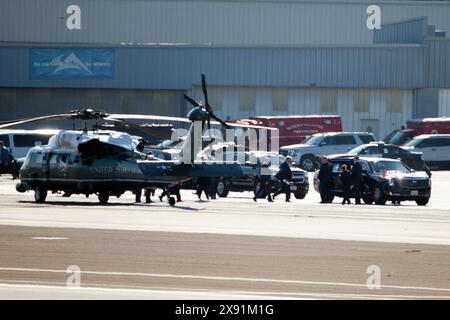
[[69, 139]]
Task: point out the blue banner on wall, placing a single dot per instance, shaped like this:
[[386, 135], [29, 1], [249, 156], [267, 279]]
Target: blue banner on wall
[[67, 63]]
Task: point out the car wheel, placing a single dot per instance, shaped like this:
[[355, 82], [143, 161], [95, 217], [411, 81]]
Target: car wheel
[[222, 189], [422, 202], [308, 163], [40, 194], [103, 197], [367, 200], [378, 196], [299, 195]]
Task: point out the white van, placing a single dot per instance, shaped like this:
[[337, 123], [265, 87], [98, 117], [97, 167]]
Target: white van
[[18, 142], [435, 149]]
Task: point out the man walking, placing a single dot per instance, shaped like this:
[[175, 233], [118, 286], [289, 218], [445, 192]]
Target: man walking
[[325, 180], [264, 188], [356, 179], [285, 176]]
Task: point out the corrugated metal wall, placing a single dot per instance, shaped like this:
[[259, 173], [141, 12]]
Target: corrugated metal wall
[[444, 102], [180, 68], [437, 62], [389, 109], [16, 103], [238, 22], [410, 31]]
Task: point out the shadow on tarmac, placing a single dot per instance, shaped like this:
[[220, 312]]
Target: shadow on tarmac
[[118, 204]]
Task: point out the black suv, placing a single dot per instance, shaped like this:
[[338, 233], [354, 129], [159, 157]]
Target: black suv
[[383, 180], [414, 160], [299, 183]]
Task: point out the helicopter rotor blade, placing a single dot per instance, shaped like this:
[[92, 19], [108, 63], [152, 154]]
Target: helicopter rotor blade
[[195, 103], [212, 115], [205, 93], [24, 121]]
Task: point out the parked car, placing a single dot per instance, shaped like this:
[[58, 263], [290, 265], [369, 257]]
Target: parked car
[[18, 142], [323, 144], [412, 159], [400, 136], [416, 127], [299, 184], [434, 147], [383, 180]]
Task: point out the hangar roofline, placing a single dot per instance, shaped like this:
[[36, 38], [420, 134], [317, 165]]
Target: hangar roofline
[[192, 45]]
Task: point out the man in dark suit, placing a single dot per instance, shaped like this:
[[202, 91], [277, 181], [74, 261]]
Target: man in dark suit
[[357, 179], [325, 180], [285, 176]]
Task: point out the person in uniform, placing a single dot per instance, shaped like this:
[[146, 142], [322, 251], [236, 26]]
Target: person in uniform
[[285, 177], [357, 179], [346, 180], [325, 178]]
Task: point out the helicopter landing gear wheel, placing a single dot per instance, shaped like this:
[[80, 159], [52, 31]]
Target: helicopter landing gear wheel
[[172, 201], [103, 197], [40, 194]]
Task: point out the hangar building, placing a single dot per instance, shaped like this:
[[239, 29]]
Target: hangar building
[[261, 57]]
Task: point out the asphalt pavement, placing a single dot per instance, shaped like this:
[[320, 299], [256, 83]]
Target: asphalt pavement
[[229, 248]]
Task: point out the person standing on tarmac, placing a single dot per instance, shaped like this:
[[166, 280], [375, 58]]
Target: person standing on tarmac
[[212, 187], [357, 179], [325, 180], [5, 158], [346, 180], [285, 176], [202, 186]]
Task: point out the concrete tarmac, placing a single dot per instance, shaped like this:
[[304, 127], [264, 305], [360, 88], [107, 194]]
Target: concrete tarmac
[[228, 248]]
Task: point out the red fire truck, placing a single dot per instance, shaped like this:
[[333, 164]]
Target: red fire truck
[[294, 129]]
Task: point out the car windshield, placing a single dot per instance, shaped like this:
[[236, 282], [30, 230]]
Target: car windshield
[[412, 143], [388, 166], [313, 140], [396, 138]]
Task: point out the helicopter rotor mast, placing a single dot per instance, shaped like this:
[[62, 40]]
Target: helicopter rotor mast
[[201, 112]]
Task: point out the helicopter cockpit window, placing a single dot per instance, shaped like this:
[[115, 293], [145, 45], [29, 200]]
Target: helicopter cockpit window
[[39, 158], [54, 159], [64, 158]]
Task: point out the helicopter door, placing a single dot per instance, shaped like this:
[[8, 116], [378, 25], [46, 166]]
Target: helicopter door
[[55, 169]]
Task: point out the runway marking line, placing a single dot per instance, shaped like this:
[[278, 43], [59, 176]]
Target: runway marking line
[[49, 238], [218, 278], [194, 291]]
